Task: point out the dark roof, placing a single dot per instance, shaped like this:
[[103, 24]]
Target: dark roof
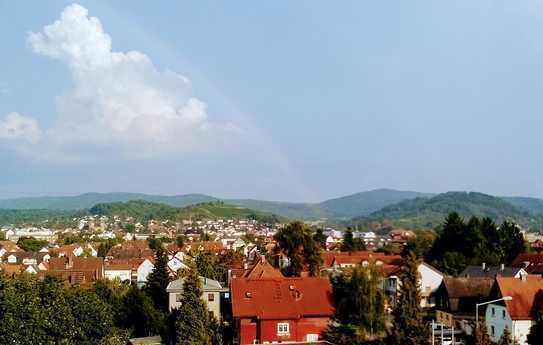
[[490, 271], [467, 287]]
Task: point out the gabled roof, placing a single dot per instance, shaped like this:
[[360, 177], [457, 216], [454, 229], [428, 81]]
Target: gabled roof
[[467, 287], [523, 293], [286, 298], [330, 258], [262, 269]]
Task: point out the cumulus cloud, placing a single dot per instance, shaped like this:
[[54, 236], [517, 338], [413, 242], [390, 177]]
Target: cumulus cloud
[[15, 126], [119, 100]]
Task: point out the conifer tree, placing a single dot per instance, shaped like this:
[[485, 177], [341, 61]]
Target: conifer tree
[[194, 324], [158, 280], [409, 327]]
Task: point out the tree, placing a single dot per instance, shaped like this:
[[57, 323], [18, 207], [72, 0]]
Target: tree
[[506, 338], [409, 328], [296, 242], [139, 314], [194, 324], [94, 317], [105, 246], [359, 300], [154, 243], [320, 237], [158, 281], [30, 244], [208, 266], [481, 336], [535, 337], [420, 244], [351, 244]]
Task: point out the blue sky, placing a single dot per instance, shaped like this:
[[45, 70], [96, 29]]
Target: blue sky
[[281, 100]]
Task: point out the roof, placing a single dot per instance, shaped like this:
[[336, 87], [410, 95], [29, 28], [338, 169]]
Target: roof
[[523, 293], [131, 249], [263, 269], [9, 246], [490, 271], [284, 298], [124, 264], [467, 287], [528, 258], [208, 284]]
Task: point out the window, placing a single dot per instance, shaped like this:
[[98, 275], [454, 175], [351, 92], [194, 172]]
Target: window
[[503, 314], [312, 337], [493, 312], [178, 297], [210, 297], [492, 331], [282, 328]]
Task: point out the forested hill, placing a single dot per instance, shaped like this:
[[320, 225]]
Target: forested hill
[[430, 212], [145, 210]]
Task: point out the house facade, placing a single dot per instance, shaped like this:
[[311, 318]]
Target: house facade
[[515, 314], [280, 310], [212, 291]]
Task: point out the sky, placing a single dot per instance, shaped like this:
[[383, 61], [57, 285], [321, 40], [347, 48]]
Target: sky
[[279, 100]]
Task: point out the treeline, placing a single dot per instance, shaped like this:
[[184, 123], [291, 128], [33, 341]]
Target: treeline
[[48, 311], [51, 218], [477, 241]]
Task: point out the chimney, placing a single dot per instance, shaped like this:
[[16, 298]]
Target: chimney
[[502, 267], [484, 266], [523, 277], [245, 266]]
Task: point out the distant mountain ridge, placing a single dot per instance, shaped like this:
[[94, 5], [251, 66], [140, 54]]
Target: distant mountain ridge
[[404, 207], [346, 207], [430, 212]]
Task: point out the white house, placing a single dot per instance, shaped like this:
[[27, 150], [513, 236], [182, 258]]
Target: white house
[[514, 314], [430, 279], [212, 290]]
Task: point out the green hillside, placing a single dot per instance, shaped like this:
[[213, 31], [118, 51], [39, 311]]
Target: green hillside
[[145, 210], [37, 216], [430, 212], [532, 205]]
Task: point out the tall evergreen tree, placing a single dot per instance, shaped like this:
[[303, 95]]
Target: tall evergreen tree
[[138, 313], [194, 324], [409, 327], [158, 281]]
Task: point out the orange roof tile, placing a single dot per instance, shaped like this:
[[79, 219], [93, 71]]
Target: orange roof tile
[[286, 298], [523, 293]]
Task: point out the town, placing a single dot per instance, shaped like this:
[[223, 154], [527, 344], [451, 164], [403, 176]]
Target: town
[[290, 282]]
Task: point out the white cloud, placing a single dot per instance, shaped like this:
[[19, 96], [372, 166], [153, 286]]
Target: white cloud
[[15, 126], [120, 102]]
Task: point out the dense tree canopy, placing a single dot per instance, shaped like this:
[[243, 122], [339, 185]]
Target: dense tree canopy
[[350, 243], [472, 243], [30, 244], [296, 241], [46, 312], [158, 281]]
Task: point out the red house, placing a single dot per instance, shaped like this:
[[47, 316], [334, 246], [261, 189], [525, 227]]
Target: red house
[[281, 309]]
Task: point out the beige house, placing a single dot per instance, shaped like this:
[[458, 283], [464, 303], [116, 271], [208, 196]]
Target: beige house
[[212, 290]]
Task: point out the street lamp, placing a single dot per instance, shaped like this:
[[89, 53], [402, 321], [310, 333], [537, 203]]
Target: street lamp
[[505, 298]]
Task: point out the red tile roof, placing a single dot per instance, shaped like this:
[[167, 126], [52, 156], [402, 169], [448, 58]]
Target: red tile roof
[[262, 269], [286, 298], [523, 292], [530, 258]]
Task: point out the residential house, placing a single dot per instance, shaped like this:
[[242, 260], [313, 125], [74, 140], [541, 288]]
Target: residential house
[[135, 270], [76, 270], [212, 291], [515, 314], [430, 280], [280, 309]]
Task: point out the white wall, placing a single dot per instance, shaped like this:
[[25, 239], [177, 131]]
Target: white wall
[[144, 269], [430, 279], [123, 275]]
